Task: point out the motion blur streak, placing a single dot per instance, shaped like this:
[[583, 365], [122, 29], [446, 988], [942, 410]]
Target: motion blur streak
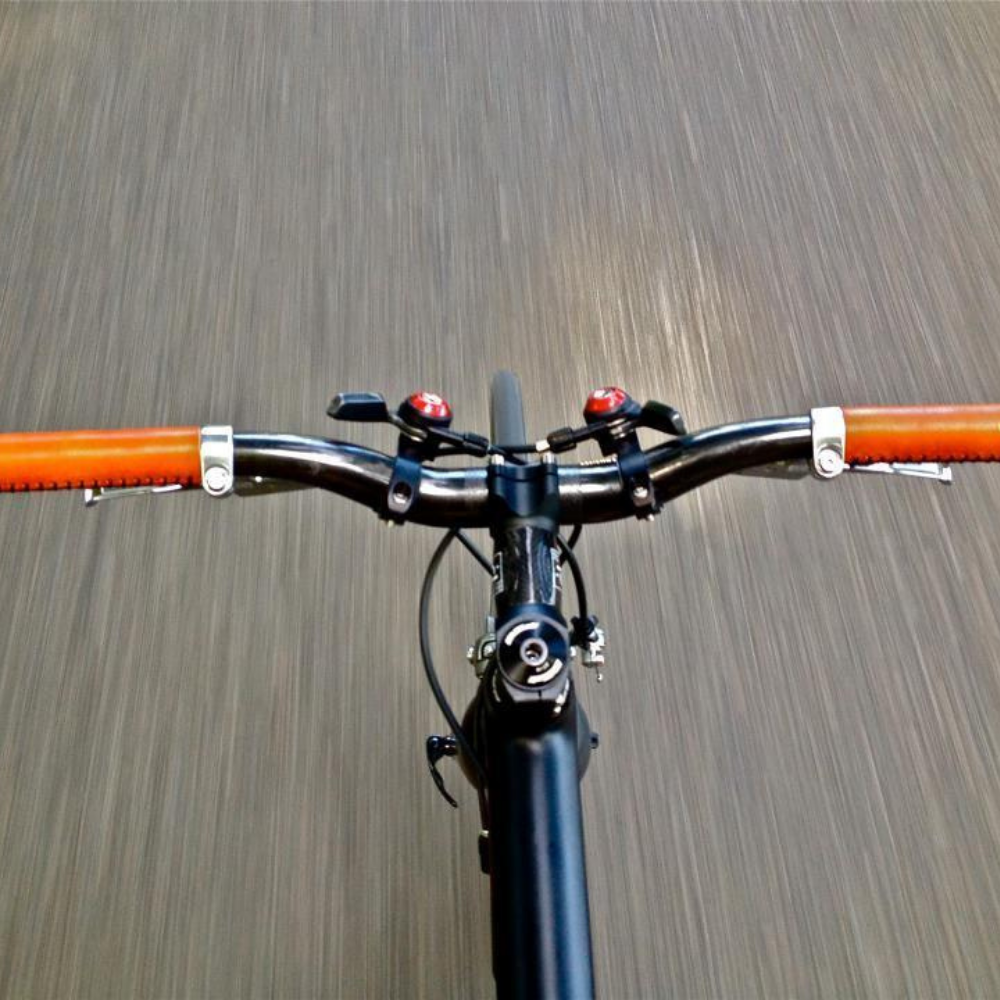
[[212, 714]]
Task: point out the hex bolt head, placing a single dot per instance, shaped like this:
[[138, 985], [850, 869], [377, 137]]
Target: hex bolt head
[[217, 479], [829, 462]]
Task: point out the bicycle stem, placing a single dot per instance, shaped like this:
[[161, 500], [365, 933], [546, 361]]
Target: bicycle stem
[[535, 740]]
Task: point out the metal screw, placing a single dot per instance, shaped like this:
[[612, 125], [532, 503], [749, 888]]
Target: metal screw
[[217, 479], [829, 462], [640, 492], [534, 652]]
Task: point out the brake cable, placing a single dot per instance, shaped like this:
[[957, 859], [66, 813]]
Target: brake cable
[[475, 550], [584, 625], [428, 659]]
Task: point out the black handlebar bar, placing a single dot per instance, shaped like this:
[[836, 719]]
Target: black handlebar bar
[[588, 493]]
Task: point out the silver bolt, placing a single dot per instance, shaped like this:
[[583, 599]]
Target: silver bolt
[[829, 462], [640, 492], [470, 654], [217, 479], [534, 652]]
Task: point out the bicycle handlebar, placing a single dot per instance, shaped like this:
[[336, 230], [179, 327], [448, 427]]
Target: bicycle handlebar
[[446, 497], [588, 493]]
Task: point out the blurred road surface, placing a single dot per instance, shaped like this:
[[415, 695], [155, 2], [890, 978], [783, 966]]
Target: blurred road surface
[[212, 714]]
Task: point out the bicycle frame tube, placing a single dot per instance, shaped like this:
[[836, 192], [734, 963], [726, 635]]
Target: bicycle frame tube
[[538, 881]]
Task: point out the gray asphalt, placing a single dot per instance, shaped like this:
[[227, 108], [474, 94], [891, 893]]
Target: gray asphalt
[[212, 713]]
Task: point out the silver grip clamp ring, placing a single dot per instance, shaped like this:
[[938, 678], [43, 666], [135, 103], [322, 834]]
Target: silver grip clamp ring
[[216, 446], [829, 433]]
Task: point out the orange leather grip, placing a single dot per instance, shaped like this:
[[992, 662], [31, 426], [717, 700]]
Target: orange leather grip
[[60, 460], [922, 434]]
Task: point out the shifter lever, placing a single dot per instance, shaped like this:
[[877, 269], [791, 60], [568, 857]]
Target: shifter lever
[[611, 416], [662, 418], [366, 407]]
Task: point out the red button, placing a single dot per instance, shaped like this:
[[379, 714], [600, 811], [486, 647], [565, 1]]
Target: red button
[[604, 401], [430, 404]]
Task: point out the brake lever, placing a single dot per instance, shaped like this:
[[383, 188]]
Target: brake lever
[[92, 497], [918, 470], [801, 469]]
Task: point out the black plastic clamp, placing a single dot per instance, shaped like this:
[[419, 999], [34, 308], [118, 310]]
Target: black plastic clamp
[[633, 466], [404, 487]]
